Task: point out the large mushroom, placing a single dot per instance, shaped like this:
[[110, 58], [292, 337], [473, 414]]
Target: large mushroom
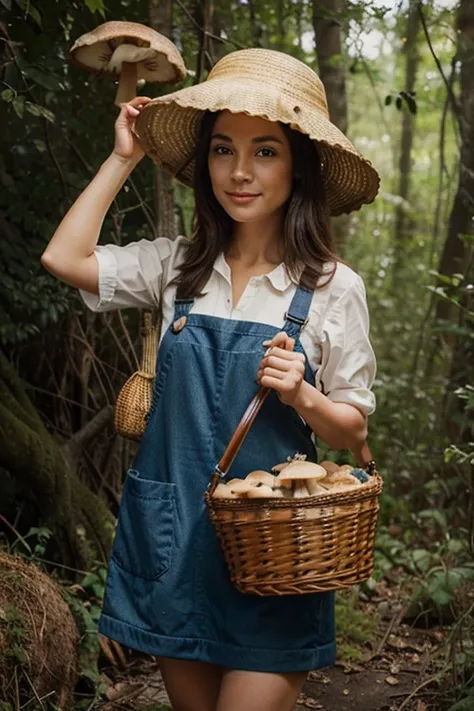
[[128, 51], [303, 477]]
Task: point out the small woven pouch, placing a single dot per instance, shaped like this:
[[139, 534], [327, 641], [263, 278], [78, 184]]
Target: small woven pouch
[[134, 399]]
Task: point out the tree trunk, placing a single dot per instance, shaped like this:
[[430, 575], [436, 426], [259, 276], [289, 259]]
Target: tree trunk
[[457, 254], [159, 12], [402, 224], [455, 251], [80, 521], [327, 32]]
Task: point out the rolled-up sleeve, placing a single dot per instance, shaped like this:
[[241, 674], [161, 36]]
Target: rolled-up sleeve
[[131, 276], [348, 363]]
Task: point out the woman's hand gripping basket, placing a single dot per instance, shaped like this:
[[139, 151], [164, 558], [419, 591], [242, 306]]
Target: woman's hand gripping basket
[[303, 529]]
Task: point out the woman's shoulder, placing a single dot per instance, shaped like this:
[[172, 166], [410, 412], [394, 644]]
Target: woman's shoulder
[[345, 279], [167, 248]]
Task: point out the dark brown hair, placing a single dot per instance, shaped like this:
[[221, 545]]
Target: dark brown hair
[[308, 239]]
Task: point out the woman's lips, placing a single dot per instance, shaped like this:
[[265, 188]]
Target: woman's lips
[[242, 198]]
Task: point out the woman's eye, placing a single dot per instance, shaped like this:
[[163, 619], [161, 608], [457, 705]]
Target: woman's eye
[[221, 150], [266, 152]]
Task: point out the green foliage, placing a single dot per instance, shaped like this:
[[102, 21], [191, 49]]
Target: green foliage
[[14, 631], [354, 627], [85, 601]]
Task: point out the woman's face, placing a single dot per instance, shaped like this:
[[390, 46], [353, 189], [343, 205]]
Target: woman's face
[[250, 166]]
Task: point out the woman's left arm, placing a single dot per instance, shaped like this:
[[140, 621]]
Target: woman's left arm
[[348, 369]]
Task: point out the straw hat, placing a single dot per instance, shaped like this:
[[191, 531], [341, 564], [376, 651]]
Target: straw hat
[[266, 83]]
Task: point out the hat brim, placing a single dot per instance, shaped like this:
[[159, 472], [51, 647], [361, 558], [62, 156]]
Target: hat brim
[[167, 128]]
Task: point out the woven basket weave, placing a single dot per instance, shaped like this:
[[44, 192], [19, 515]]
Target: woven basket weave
[[294, 546], [134, 399]]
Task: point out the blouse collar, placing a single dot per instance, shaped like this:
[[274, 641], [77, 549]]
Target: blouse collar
[[278, 277]]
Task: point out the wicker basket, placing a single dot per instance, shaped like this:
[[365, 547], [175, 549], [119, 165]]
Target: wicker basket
[[134, 399], [294, 546]]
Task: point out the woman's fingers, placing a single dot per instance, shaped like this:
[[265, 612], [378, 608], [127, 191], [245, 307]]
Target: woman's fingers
[[281, 340], [272, 373], [285, 355]]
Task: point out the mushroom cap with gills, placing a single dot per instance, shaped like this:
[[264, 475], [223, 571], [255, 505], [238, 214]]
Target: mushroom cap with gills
[[259, 477], [104, 49], [314, 487], [301, 470]]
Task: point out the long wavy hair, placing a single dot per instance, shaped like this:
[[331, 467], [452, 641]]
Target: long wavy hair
[[308, 240]]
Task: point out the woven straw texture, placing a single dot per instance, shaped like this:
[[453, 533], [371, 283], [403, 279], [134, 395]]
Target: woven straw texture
[[296, 546], [266, 83], [134, 399]]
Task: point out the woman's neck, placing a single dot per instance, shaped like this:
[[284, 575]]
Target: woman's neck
[[257, 243]]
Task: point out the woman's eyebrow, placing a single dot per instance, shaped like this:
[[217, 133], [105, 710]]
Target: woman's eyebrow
[[257, 139]]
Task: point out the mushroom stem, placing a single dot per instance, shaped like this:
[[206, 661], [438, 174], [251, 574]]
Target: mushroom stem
[[127, 87], [300, 490]]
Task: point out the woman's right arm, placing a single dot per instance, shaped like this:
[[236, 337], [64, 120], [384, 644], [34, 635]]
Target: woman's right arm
[[70, 253]]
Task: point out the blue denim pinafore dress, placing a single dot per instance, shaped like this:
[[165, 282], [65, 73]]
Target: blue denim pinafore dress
[[168, 591]]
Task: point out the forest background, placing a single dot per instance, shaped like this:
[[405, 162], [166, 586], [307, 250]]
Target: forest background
[[400, 81]]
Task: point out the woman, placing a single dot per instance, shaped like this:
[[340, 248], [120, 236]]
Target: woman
[[258, 297]]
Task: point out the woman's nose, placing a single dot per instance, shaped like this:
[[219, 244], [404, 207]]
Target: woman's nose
[[241, 169]]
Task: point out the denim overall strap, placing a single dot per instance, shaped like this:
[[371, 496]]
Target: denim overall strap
[[182, 307], [297, 315]]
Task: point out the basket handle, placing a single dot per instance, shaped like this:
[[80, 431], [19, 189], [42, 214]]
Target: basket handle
[[239, 435], [363, 455]]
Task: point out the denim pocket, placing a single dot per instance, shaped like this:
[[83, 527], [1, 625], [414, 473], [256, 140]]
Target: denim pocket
[[144, 538]]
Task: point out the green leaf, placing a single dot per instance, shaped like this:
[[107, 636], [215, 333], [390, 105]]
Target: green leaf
[[48, 115], [89, 580], [7, 94], [95, 6], [29, 9], [32, 108], [45, 79], [422, 558], [19, 105], [440, 596]]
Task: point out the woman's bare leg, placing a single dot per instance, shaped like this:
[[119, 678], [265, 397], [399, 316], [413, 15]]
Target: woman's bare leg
[[191, 686], [259, 691]]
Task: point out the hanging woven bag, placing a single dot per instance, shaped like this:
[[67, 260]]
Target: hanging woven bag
[[134, 399]]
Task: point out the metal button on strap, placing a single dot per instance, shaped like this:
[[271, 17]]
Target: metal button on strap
[[179, 324]]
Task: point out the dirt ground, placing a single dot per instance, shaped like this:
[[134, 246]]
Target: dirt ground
[[396, 676]]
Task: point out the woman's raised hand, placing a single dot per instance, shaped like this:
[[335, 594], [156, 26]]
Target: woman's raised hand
[[281, 369], [126, 146]]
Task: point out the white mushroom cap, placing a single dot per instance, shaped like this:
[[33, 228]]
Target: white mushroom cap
[[239, 486], [314, 487], [329, 466], [345, 468], [116, 47], [223, 492], [301, 470], [278, 467], [341, 478], [258, 477], [261, 492]]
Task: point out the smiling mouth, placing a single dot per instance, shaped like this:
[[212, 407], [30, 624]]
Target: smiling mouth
[[242, 198], [247, 195]]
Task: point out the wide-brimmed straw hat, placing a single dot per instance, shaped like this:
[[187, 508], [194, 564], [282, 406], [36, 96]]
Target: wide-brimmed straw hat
[[274, 86]]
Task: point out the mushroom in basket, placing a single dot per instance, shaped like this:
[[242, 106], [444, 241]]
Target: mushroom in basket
[[302, 477]]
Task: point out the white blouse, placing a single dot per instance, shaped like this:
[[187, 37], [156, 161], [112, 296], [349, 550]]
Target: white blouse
[[335, 339]]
